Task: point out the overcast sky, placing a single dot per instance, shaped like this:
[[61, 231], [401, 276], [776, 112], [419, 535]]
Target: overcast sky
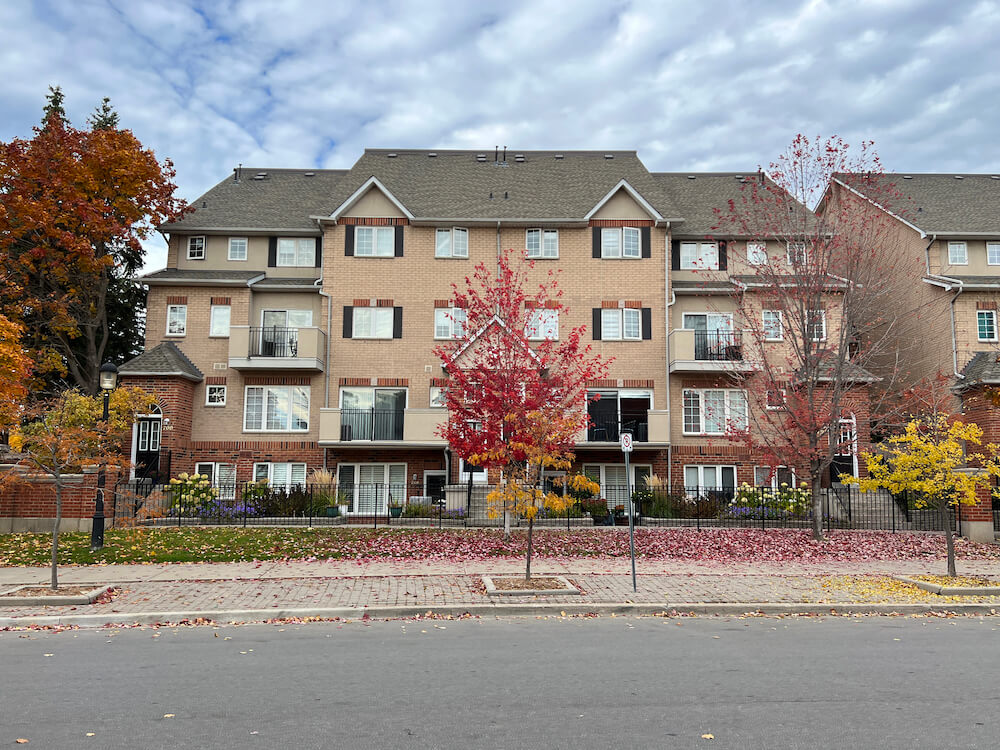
[[690, 85]]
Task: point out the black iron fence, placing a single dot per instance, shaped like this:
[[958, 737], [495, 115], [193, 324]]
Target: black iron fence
[[371, 424], [467, 505], [274, 342], [726, 346]]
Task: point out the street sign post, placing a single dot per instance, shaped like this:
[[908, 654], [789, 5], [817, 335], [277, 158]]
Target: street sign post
[[626, 441]]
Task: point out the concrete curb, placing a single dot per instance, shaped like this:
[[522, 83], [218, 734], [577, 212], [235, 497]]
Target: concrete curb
[[936, 588], [493, 610], [54, 600]]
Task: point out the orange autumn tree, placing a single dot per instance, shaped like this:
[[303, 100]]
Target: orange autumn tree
[[61, 436], [517, 382], [15, 369], [77, 205]]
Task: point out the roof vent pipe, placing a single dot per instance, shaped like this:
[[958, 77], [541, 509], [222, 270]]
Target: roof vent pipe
[[505, 154], [496, 154]]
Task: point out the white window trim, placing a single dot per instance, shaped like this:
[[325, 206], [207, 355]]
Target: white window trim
[[375, 233], [310, 252], [701, 476], [537, 334], [621, 324], [540, 255], [370, 336], [781, 325], [246, 249], [263, 415], [757, 246], [988, 246], [784, 399], [372, 389], [227, 491], [225, 394], [621, 243], [698, 263], [204, 247], [451, 323], [453, 231], [822, 315], [993, 315], [965, 247], [441, 390], [211, 322], [727, 416], [602, 473], [177, 307], [788, 253], [270, 473]]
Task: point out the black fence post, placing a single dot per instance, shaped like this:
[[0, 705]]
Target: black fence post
[[440, 505], [310, 496], [245, 510]]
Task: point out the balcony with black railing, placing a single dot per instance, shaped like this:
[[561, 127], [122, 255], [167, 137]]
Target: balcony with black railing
[[708, 351], [718, 346], [270, 347], [609, 429], [371, 424]]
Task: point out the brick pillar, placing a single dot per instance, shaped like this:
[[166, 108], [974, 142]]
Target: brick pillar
[[977, 520]]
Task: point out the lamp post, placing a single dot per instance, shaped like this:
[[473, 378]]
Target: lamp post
[[108, 381]]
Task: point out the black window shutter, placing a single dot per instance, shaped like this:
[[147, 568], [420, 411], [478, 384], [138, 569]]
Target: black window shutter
[[348, 322], [399, 242], [597, 324], [644, 238], [397, 322], [597, 242], [319, 252], [349, 239], [723, 255], [647, 323], [675, 255], [272, 252]]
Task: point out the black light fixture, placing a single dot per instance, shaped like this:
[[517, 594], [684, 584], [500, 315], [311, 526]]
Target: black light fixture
[[108, 380]]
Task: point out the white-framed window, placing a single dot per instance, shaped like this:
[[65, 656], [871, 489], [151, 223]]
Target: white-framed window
[[451, 243], [993, 253], [449, 322], [280, 476], [237, 248], [276, 408], [958, 254], [621, 325], [369, 488], [773, 476], [196, 248], [774, 399], [466, 470], [714, 411], [375, 242], [439, 397], [177, 320], [699, 256], [372, 323], [986, 325], [816, 324], [773, 328], [615, 482], [296, 251], [215, 395], [221, 476], [624, 242], [542, 325], [757, 253], [542, 243], [219, 321], [709, 477], [798, 254]]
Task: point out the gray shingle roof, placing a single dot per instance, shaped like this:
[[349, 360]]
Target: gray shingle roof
[[165, 358], [284, 199], [697, 198], [286, 283], [772, 280], [940, 203], [188, 276], [983, 368], [850, 372], [454, 185], [702, 286]]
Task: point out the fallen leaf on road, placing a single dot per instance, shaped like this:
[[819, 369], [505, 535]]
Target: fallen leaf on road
[[22, 741], [708, 736], [168, 716], [90, 734], [54, 654]]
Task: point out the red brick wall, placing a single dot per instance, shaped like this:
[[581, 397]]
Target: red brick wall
[[35, 497]]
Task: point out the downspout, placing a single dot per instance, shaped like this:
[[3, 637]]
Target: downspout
[[329, 322], [954, 337], [666, 333], [927, 253]]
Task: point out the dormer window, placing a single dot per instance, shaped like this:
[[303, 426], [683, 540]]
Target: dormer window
[[621, 243], [196, 248], [699, 256]]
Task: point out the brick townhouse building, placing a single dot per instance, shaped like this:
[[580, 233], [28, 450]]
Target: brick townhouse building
[[294, 325]]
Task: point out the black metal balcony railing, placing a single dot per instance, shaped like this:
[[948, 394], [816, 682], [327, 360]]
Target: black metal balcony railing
[[609, 430], [274, 342], [718, 346], [371, 424]]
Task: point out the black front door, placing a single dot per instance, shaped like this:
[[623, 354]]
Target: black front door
[[147, 448], [435, 486]]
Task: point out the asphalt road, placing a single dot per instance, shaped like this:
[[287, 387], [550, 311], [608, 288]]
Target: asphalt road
[[573, 683]]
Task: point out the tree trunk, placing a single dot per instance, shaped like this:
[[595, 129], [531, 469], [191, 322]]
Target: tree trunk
[[949, 538], [506, 523], [817, 507], [527, 567], [55, 534]]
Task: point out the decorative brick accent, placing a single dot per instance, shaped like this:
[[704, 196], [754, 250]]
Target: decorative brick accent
[[609, 304], [439, 303], [221, 300], [439, 382], [633, 304], [638, 383], [393, 382], [602, 383], [216, 380], [373, 222], [356, 381], [177, 300], [622, 222], [359, 302], [982, 304], [260, 380], [383, 303]]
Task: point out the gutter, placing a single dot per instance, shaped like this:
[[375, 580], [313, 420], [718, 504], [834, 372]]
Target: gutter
[[666, 333], [329, 335]]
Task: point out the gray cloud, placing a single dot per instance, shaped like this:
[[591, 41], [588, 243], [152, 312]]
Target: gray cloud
[[711, 85]]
